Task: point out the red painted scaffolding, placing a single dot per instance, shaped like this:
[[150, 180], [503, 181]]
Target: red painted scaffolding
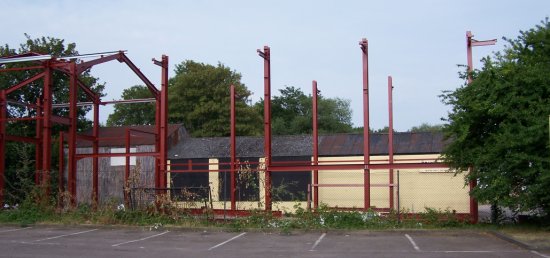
[[73, 67]]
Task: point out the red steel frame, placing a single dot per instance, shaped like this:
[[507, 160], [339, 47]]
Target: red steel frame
[[390, 136], [470, 42], [315, 134], [45, 117]]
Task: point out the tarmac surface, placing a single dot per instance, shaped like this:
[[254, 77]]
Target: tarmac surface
[[67, 241]]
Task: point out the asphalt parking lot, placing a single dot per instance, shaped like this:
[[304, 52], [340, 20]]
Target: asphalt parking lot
[[57, 241]]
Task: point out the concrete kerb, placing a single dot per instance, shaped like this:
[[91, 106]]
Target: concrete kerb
[[515, 241]]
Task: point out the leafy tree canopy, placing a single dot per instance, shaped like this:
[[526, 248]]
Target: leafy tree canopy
[[426, 127], [291, 113], [199, 97], [135, 113], [499, 124]]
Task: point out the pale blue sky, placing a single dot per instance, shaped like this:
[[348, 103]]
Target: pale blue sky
[[419, 43]]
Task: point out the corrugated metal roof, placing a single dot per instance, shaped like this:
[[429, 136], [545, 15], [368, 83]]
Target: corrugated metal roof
[[301, 145]]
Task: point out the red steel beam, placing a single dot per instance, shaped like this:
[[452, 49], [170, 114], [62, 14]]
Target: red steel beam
[[233, 150], [38, 145], [14, 69], [60, 120], [73, 99], [163, 134], [87, 65], [108, 155], [126, 166], [25, 82], [3, 115], [144, 79], [266, 55], [95, 150], [390, 135], [366, 147], [47, 127], [470, 42], [61, 174], [359, 167], [315, 95], [15, 138]]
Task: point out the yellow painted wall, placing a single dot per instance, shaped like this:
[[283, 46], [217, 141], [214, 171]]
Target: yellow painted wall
[[420, 188]]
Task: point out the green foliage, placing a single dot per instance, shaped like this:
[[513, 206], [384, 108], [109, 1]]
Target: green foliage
[[291, 113], [425, 127], [136, 113], [499, 124], [199, 98], [20, 156]]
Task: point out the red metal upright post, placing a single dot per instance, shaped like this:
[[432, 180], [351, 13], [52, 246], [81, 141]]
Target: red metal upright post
[[38, 145], [470, 42], [47, 127], [95, 160], [127, 167], [73, 112], [315, 147], [266, 55], [3, 116], [163, 134], [233, 153], [61, 188], [390, 136], [366, 148]]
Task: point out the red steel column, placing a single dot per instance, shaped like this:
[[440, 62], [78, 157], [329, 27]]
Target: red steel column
[[127, 166], [266, 55], [233, 151], [163, 134], [3, 116], [38, 145], [469, 55], [470, 42], [47, 128], [366, 147], [157, 142], [315, 146], [95, 161], [73, 112], [390, 136], [60, 185]]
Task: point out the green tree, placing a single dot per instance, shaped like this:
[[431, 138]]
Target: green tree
[[498, 124], [199, 98], [135, 113], [17, 154], [425, 127], [291, 113]]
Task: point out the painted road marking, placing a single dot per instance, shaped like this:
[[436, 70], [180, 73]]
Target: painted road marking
[[11, 230], [318, 241], [227, 241], [141, 239], [412, 242], [60, 236]]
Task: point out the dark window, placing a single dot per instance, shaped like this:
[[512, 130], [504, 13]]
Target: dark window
[[290, 186], [247, 181], [189, 186]]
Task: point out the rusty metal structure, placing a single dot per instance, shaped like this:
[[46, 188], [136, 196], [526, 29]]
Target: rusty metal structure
[[73, 67]]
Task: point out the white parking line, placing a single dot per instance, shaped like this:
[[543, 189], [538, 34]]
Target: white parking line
[[72, 234], [11, 230], [141, 239], [227, 241], [318, 241], [412, 242]]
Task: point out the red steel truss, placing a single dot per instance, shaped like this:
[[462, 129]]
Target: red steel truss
[[44, 117]]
